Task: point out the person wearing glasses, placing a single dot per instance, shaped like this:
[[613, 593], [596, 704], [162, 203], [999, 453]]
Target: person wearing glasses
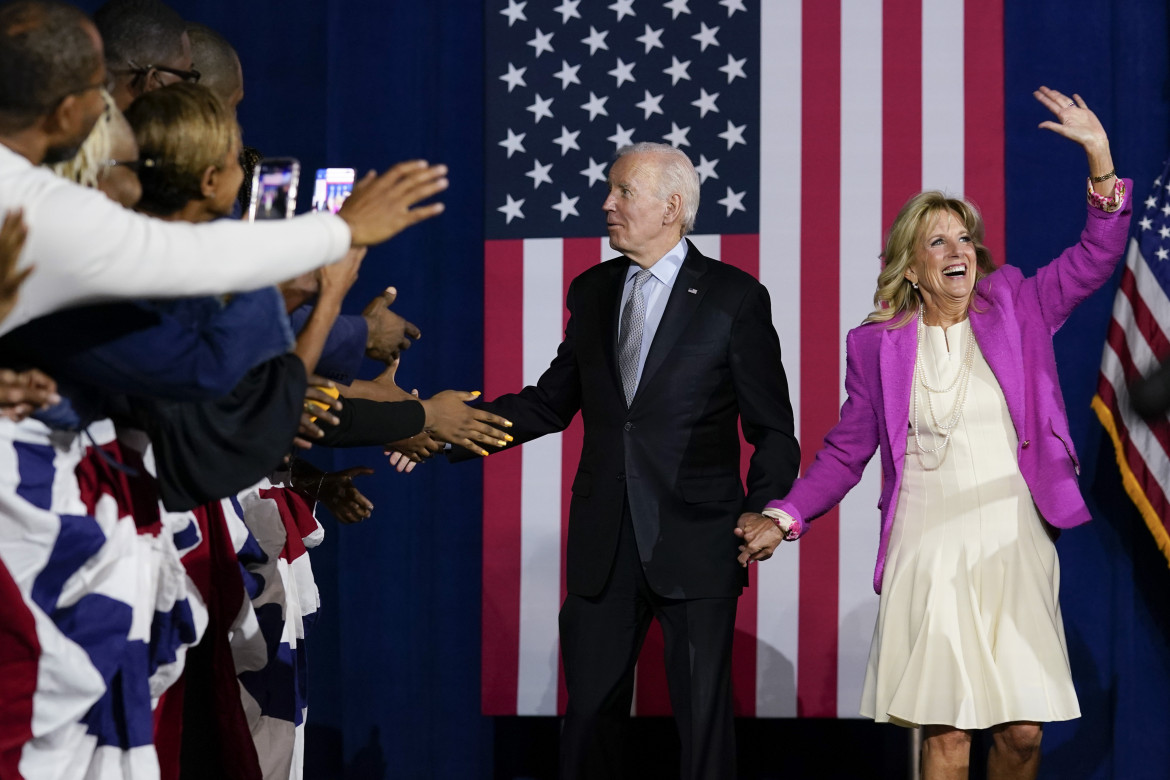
[[147, 47]]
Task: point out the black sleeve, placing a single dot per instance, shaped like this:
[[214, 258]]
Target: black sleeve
[[1151, 396], [365, 423]]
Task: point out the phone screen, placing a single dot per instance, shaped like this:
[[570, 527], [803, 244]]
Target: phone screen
[[274, 188], [332, 187]]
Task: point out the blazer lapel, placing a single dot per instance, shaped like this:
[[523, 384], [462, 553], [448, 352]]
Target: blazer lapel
[[999, 342], [609, 299], [896, 365], [679, 307]]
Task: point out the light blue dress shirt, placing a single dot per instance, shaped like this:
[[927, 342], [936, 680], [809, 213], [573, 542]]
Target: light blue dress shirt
[[656, 291]]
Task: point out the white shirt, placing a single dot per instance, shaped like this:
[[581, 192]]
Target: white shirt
[[656, 291], [88, 249]]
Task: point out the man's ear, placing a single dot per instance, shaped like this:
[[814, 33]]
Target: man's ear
[[209, 181], [673, 210]]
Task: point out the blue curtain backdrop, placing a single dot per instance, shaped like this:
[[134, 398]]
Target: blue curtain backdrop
[[394, 687]]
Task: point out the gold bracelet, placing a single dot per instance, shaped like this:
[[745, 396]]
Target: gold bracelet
[[1106, 177]]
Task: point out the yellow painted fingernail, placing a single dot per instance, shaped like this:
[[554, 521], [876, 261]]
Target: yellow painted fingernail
[[508, 437], [501, 443], [484, 453], [507, 424], [475, 394]]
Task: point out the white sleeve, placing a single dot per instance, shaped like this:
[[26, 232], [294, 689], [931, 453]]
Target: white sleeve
[[86, 249]]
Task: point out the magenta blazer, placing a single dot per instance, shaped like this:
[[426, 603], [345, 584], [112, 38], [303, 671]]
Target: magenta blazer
[[1013, 319]]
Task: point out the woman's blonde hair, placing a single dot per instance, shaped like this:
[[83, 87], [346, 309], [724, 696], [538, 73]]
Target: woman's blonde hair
[[182, 130], [87, 166], [895, 296]]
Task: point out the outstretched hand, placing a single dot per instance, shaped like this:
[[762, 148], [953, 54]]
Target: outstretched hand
[[1076, 121], [383, 206]]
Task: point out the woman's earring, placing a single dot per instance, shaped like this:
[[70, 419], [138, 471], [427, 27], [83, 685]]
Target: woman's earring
[[914, 285]]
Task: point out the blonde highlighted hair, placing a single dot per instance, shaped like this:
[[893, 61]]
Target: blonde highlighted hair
[[182, 130], [895, 296], [87, 166]]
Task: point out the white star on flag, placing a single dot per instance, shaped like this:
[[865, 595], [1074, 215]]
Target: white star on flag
[[733, 6], [651, 39], [1146, 223], [733, 135], [515, 11], [539, 174], [706, 169], [733, 201], [542, 108], [514, 77], [596, 40], [677, 70], [568, 10], [1166, 209], [705, 36], [622, 8], [567, 140], [595, 172], [1164, 232], [541, 43], [650, 104], [567, 206], [595, 106], [513, 143], [1162, 253], [677, 135], [734, 68], [1151, 202], [567, 74], [623, 72], [706, 102], [621, 137], [677, 7], [511, 209]]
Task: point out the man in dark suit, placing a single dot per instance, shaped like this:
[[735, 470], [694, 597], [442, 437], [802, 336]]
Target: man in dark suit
[[664, 351]]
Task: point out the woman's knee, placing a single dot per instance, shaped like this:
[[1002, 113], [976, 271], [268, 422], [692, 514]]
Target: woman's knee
[[1021, 740], [946, 740]]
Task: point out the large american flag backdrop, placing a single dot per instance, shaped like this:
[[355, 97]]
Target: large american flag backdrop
[[810, 124], [1135, 347]]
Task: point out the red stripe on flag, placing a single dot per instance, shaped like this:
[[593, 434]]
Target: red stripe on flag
[[816, 685], [901, 106], [1144, 320], [743, 251], [1133, 458], [983, 117], [503, 372], [19, 651], [580, 254]]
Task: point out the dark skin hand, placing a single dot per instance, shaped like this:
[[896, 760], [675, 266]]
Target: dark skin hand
[[342, 498], [308, 428], [389, 333]]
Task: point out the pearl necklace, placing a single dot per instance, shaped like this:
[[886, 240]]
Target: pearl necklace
[[962, 380]]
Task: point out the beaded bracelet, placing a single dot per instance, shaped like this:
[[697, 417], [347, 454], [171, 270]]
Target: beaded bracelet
[[1110, 204]]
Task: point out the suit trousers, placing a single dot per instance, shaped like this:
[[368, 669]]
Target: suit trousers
[[601, 638]]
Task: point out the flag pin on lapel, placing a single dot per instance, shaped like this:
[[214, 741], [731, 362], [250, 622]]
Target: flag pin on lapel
[[692, 290]]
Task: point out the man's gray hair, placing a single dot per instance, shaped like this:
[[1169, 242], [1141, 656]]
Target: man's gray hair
[[676, 175]]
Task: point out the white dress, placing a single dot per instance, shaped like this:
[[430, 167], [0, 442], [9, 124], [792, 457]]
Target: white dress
[[969, 632]]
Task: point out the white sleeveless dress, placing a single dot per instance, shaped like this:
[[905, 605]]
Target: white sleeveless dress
[[969, 632]]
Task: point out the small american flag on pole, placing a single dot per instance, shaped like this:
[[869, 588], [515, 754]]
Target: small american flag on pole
[[810, 123], [1135, 347]]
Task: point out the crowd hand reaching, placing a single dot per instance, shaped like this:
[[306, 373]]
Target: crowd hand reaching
[[405, 454], [1077, 122], [12, 236], [380, 207], [24, 392], [342, 498], [335, 280], [761, 536], [389, 333], [314, 397], [450, 419]]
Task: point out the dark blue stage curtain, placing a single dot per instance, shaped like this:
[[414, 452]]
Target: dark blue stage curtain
[[394, 683]]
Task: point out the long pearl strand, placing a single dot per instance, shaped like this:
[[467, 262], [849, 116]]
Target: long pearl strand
[[962, 380]]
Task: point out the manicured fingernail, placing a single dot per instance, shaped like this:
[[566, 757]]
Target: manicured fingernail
[[506, 436], [507, 423], [501, 443], [484, 453], [475, 394]]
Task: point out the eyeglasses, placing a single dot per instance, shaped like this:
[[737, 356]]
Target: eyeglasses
[[191, 75]]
